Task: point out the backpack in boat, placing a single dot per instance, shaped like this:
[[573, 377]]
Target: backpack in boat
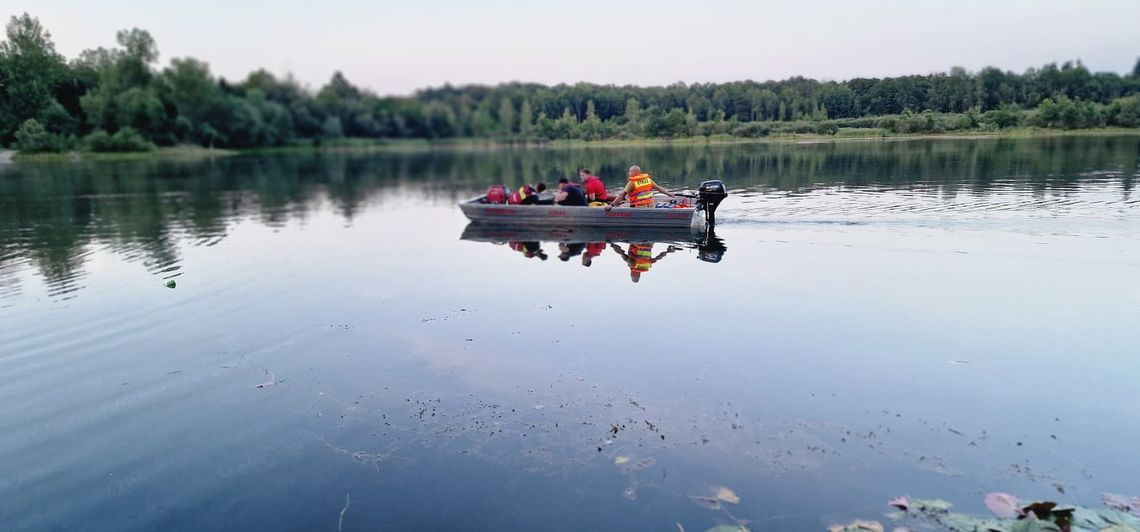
[[496, 194]]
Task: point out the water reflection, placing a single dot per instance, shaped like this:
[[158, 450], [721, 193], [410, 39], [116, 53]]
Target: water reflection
[[54, 217], [633, 246]]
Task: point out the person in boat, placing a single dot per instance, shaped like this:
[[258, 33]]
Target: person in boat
[[569, 194], [545, 197], [639, 189], [593, 187], [527, 195], [640, 257]]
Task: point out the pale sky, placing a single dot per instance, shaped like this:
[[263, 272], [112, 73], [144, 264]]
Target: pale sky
[[395, 47]]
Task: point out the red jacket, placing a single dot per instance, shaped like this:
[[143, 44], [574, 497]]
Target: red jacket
[[593, 185]]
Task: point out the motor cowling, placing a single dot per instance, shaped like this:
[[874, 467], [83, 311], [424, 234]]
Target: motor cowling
[[709, 195]]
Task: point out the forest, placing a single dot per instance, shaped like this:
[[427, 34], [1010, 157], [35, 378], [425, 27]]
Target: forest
[[124, 99]]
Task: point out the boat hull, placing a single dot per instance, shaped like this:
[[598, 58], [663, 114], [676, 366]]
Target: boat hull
[[562, 216], [582, 234]]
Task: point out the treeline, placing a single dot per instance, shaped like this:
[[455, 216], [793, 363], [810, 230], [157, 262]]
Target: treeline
[[120, 99]]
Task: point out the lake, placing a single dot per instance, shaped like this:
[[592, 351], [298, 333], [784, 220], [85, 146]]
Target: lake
[[319, 342]]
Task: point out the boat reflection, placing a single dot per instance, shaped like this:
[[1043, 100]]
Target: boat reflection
[[639, 248]]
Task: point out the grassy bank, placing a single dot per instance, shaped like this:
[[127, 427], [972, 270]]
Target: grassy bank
[[417, 145], [173, 152]]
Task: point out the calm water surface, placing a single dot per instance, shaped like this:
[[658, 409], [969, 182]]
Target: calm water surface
[[934, 318]]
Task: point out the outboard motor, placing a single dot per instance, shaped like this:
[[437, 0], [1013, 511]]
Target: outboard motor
[[710, 194], [711, 248]]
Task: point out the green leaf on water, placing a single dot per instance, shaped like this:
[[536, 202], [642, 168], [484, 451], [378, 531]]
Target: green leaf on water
[[970, 523], [1034, 525], [171, 283], [857, 526], [930, 505], [1118, 528], [707, 503]]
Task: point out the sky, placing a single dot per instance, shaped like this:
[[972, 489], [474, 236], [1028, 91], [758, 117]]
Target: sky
[[396, 47]]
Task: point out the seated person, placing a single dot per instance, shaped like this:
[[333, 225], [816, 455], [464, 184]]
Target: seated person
[[545, 197], [593, 187], [525, 195], [569, 194]]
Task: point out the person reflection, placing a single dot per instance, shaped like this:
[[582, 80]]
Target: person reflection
[[640, 257], [593, 249], [529, 250], [570, 249]]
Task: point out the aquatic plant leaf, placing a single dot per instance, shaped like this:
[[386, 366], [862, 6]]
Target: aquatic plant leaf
[[708, 503], [857, 526], [171, 284], [1034, 525], [1003, 505], [969, 523], [1118, 528], [900, 502], [724, 494], [931, 505], [1122, 503]]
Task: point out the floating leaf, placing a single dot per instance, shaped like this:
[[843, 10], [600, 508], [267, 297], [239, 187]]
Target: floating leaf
[[171, 284], [1120, 502], [954, 521], [900, 502], [1002, 505], [1034, 525], [619, 460], [724, 494], [1118, 528], [931, 505], [708, 503], [857, 526]]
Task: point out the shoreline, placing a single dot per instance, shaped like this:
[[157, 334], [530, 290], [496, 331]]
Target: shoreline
[[419, 145]]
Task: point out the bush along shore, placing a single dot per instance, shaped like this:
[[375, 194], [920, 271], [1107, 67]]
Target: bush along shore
[[122, 100]]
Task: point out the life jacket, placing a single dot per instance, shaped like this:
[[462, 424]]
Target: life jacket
[[521, 194], [642, 257], [642, 190], [496, 194]]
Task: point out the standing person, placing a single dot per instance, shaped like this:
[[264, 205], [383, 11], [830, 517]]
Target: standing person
[[569, 194], [593, 186], [639, 189]]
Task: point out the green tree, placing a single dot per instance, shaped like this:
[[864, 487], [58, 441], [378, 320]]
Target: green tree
[[31, 137], [526, 118], [507, 116], [1125, 112], [30, 72], [633, 117]]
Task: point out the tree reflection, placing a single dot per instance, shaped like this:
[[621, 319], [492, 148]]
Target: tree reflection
[[53, 215]]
